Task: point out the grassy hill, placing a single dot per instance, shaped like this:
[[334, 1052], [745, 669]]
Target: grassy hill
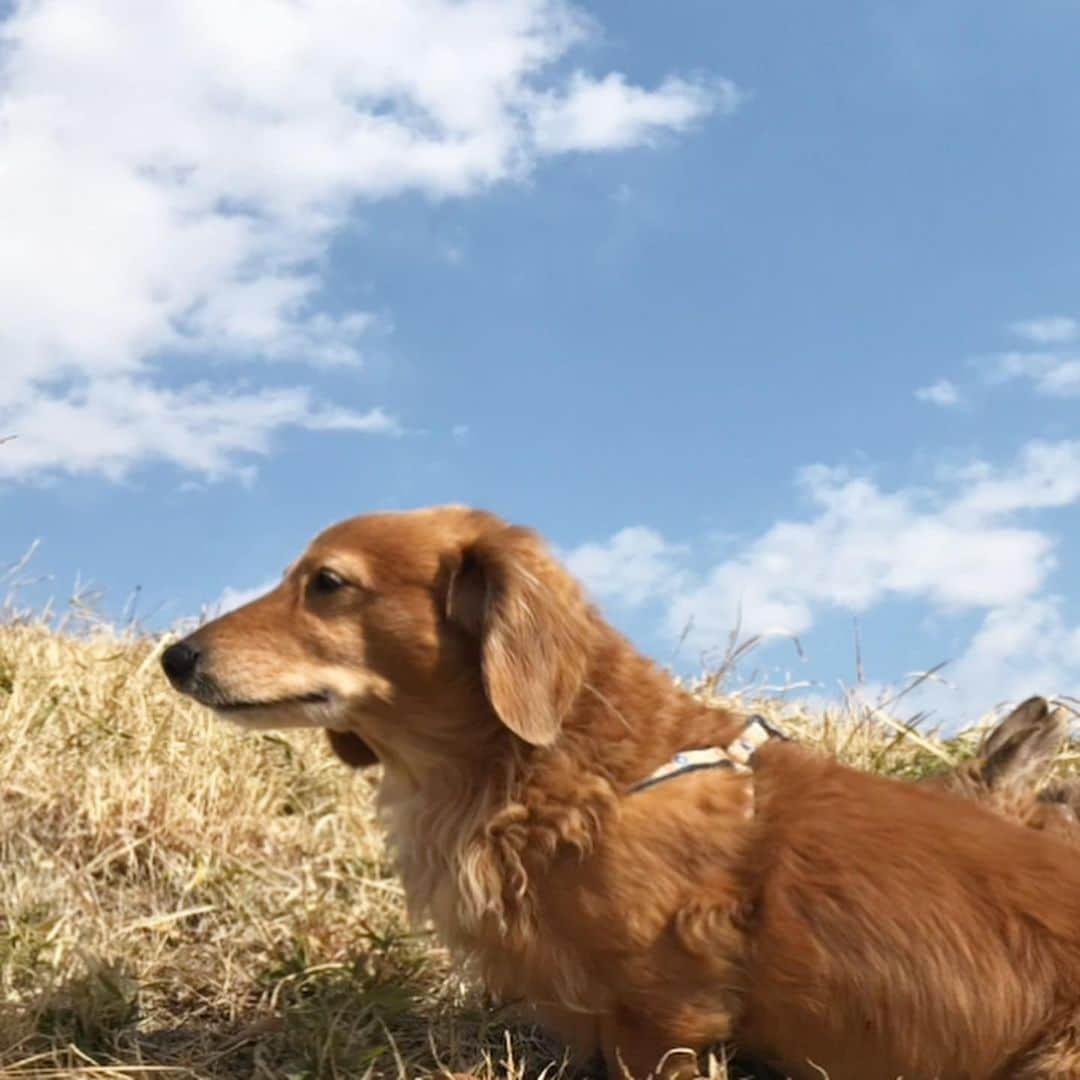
[[181, 898]]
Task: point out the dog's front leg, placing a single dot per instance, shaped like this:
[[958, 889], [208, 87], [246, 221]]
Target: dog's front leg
[[578, 1031], [636, 1050]]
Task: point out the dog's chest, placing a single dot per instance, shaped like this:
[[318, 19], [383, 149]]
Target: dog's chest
[[402, 812], [460, 884], [425, 839]]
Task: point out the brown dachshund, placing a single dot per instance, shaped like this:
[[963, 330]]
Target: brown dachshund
[[824, 919]]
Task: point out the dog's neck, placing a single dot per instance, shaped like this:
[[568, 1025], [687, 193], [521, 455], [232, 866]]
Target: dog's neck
[[629, 719], [471, 836]]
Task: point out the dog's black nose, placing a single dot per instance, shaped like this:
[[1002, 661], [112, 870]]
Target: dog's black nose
[[179, 661]]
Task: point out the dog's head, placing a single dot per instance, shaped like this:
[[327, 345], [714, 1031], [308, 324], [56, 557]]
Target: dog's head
[[406, 636]]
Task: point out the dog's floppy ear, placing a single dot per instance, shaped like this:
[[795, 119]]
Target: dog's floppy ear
[[351, 749], [532, 625]]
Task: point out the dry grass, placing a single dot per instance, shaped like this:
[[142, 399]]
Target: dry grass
[[180, 898]]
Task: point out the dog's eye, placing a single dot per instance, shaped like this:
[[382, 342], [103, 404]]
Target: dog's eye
[[326, 581]]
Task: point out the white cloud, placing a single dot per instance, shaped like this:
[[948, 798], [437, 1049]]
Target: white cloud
[[106, 424], [1054, 374], [637, 564], [231, 598], [172, 174], [609, 114], [861, 546], [1053, 330], [1046, 475], [959, 548], [1019, 650], [942, 393]]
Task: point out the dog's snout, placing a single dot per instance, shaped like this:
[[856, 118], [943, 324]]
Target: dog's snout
[[180, 661]]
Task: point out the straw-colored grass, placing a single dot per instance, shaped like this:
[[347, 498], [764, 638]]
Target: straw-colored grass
[[181, 898]]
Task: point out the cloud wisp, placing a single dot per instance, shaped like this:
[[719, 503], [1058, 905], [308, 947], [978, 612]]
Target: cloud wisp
[[173, 174], [965, 545]]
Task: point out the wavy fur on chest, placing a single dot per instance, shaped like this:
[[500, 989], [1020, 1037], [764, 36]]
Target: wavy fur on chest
[[471, 851]]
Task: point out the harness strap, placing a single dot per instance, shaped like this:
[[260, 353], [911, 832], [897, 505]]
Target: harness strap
[[735, 756]]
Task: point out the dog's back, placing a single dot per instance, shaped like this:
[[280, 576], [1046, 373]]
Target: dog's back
[[899, 931]]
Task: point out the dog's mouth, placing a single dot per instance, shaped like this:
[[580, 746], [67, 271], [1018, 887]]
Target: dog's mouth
[[320, 708], [318, 697]]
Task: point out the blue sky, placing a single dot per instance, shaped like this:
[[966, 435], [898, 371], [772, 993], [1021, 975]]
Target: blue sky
[[753, 309]]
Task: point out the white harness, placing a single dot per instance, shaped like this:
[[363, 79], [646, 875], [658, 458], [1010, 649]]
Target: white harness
[[736, 755]]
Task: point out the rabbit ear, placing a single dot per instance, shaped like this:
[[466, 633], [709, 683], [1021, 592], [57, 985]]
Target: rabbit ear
[[1023, 744], [1065, 797], [1025, 717]]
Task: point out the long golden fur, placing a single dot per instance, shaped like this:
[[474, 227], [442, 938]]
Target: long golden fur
[[818, 917]]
